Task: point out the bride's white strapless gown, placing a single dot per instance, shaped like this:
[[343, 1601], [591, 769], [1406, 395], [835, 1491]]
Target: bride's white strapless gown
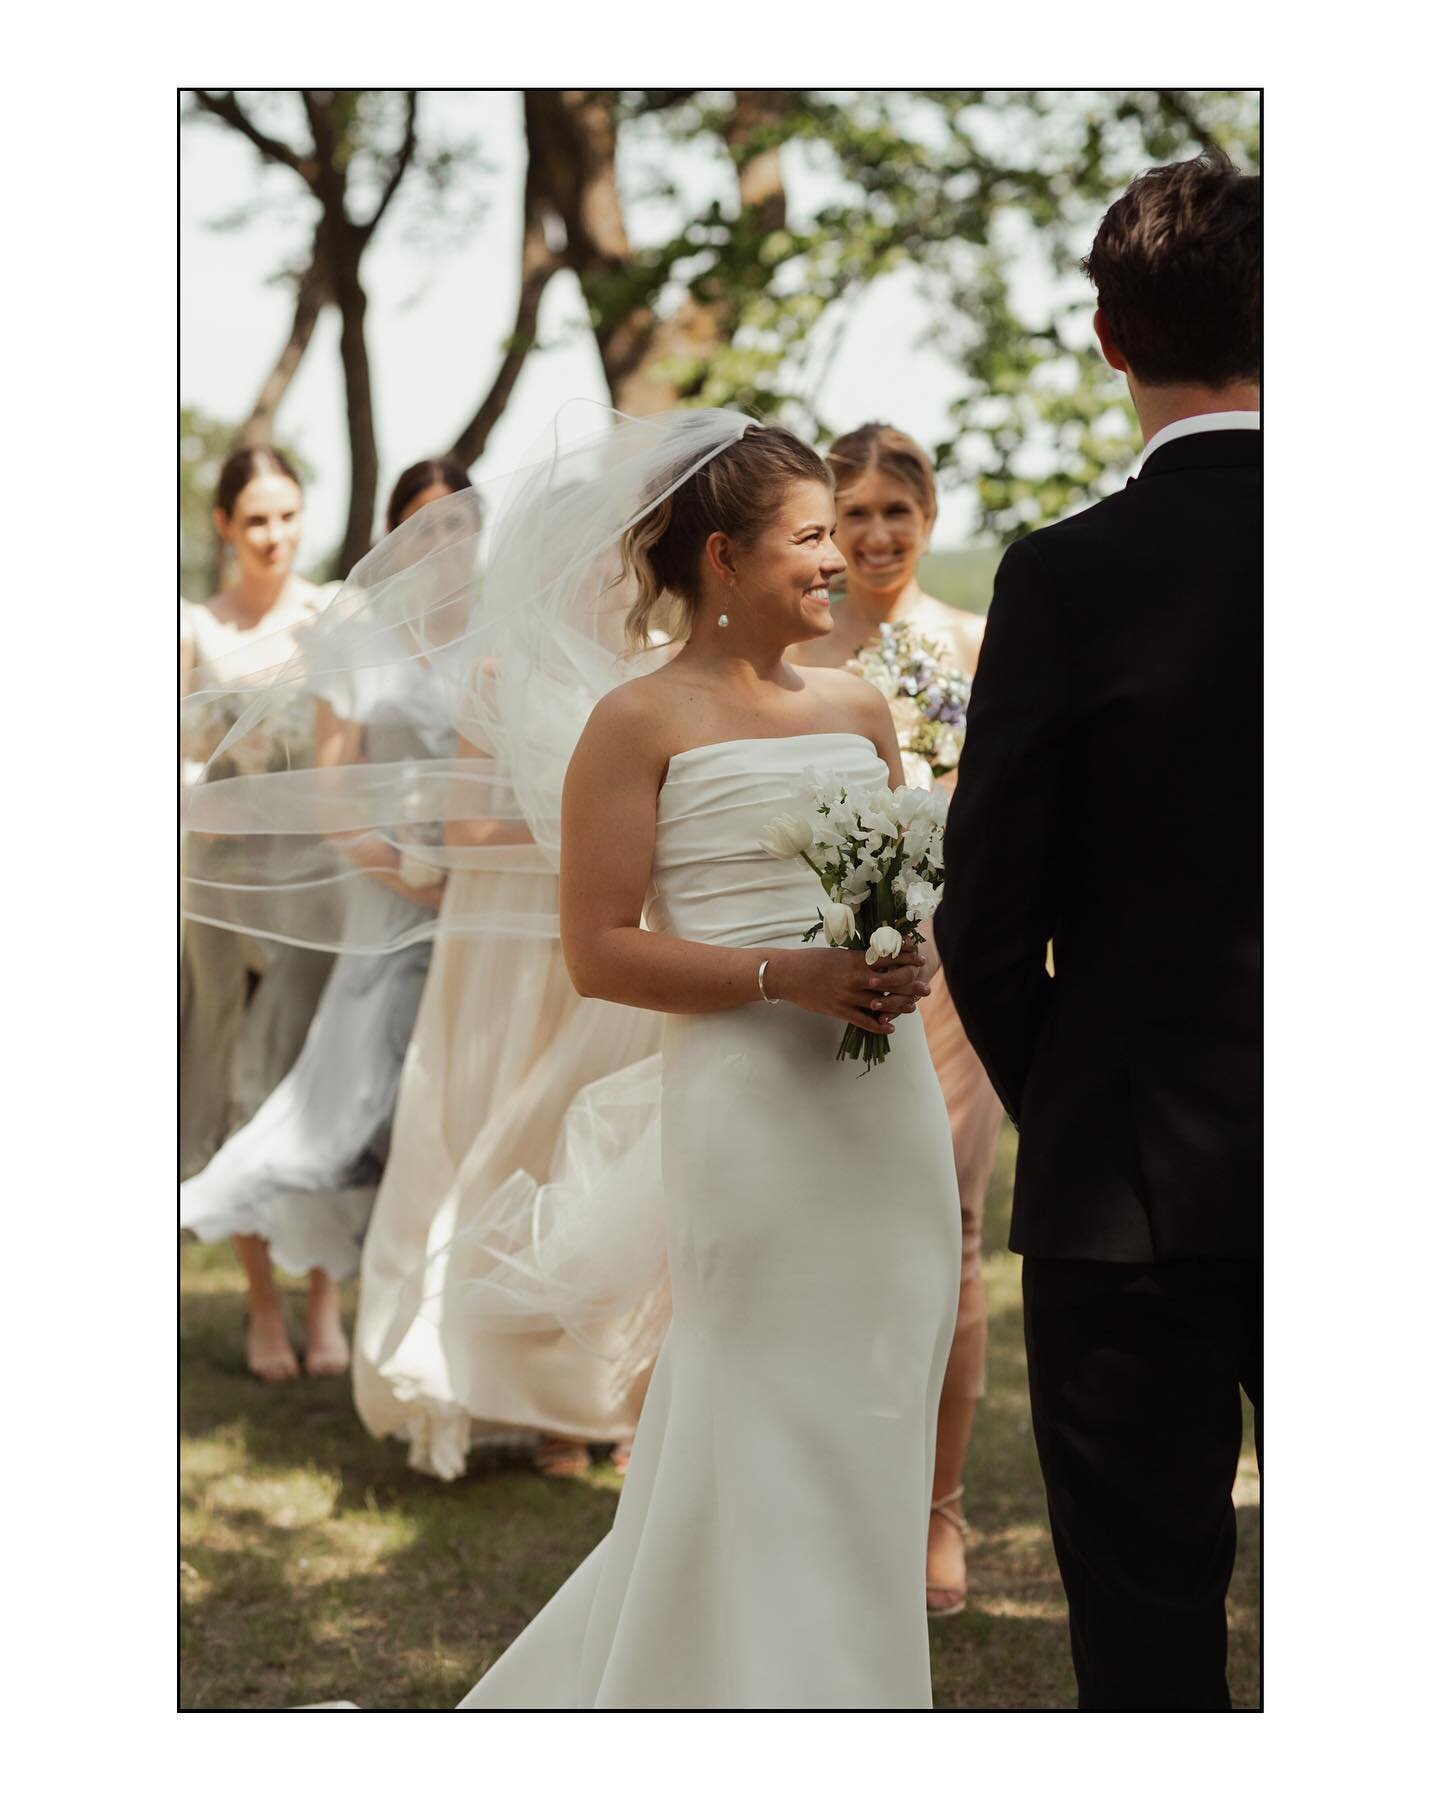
[[768, 1550]]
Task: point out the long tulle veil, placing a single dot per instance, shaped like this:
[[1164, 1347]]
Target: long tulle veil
[[505, 606], [509, 598]]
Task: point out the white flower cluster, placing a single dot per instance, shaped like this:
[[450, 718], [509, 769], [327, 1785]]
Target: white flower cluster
[[881, 860], [887, 838], [285, 727]]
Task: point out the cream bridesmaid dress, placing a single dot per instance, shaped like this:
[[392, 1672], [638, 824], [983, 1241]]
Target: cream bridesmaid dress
[[501, 1048], [245, 1005]]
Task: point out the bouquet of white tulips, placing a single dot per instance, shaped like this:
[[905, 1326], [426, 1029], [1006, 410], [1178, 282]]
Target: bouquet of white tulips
[[880, 858]]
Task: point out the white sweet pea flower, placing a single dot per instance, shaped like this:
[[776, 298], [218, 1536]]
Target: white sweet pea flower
[[911, 803], [921, 899], [858, 883], [879, 820], [825, 790], [787, 836], [884, 944], [917, 841], [839, 925]]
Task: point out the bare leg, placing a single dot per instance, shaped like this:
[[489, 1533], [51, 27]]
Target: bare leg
[[945, 1547], [268, 1353], [326, 1350], [620, 1454], [975, 1117]]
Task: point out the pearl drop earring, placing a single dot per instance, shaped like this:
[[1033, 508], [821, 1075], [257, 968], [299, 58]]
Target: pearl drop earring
[[723, 621]]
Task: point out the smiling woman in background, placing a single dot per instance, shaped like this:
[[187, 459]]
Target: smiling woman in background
[[297, 1182], [245, 1005], [885, 511]]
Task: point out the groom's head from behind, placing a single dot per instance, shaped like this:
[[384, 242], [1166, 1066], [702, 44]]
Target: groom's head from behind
[[1176, 267]]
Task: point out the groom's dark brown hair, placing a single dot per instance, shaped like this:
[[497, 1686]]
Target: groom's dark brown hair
[[1176, 267]]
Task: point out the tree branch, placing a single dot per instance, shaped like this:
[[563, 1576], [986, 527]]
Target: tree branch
[[538, 262], [310, 298], [403, 158], [229, 111]]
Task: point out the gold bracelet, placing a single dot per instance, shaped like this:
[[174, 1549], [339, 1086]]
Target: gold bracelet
[[760, 977]]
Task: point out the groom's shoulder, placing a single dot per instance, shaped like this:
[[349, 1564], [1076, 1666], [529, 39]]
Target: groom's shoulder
[[1061, 548], [1116, 512]]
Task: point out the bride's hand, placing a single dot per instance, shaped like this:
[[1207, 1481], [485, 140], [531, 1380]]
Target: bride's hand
[[837, 983]]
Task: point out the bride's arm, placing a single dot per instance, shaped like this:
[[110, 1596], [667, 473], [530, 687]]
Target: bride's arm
[[607, 849]]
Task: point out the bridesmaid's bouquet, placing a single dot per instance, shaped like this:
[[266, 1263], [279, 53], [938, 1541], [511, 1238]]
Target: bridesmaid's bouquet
[[880, 858], [416, 868], [928, 693]]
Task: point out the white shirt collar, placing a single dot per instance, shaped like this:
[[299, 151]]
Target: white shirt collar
[[1202, 421]]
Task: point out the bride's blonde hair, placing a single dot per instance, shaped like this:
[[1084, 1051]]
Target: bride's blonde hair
[[738, 492]]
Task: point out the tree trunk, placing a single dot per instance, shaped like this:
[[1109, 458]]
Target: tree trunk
[[538, 262], [650, 364], [359, 406], [571, 133]]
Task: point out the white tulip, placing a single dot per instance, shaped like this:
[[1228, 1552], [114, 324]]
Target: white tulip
[[839, 925], [885, 944], [786, 837], [921, 899]]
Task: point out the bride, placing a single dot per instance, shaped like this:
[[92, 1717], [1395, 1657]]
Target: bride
[[768, 1546]]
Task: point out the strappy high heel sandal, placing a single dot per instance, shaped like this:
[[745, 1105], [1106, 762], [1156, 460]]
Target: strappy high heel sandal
[[945, 1602]]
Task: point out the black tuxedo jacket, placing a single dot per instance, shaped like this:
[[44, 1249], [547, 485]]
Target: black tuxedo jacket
[[1109, 801]]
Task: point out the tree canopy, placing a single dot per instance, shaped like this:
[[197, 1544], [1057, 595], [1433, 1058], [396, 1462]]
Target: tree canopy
[[736, 291]]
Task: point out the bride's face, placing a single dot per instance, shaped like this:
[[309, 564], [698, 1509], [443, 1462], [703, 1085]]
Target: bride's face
[[784, 577], [882, 533]]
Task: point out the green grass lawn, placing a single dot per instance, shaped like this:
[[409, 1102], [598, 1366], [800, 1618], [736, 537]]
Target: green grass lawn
[[315, 1565]]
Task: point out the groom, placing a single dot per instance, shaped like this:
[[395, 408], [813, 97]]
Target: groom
[[1109, 806]]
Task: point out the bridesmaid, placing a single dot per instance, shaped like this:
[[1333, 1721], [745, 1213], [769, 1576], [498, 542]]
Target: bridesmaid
[[298, 1180], [885, 509], [502, 1046], [245, 1006]]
